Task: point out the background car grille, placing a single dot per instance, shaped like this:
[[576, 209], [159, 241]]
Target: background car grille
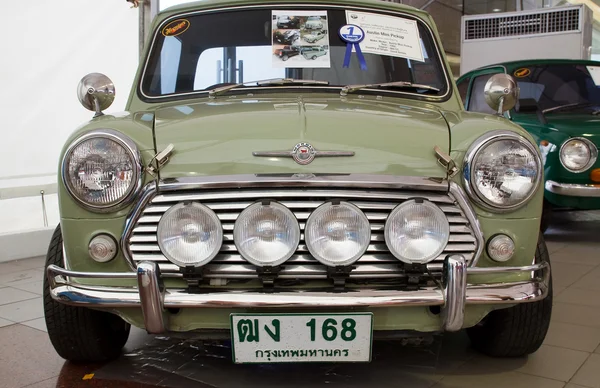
[[376, 263]]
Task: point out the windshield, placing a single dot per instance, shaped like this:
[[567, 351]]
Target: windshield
[[200, 52], [554, 86]]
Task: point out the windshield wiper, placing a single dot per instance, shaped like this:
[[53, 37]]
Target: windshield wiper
[[576, 105], [397, 84], [276, 81]]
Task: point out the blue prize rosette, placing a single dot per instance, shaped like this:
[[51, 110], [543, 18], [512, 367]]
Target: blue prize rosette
[[353, 35]]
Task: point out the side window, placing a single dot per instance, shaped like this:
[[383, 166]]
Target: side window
[[477, 100], [463, 87]]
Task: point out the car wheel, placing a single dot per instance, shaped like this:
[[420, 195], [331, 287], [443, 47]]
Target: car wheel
[[80, 334], [546, 216], [519, 330], [284, 58], [313, 57]]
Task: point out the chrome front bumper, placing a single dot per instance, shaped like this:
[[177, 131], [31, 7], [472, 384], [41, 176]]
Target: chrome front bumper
[[573, 190], [153, 298]]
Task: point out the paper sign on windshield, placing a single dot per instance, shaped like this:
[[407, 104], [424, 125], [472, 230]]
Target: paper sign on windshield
[[388, 35], [595, 73], [300, 39]]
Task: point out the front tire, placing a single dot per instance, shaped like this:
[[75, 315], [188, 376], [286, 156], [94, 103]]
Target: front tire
[[519, 330], [80, 334]]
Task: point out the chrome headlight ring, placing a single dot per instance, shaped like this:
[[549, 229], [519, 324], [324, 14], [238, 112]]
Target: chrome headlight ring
[[469, 172], [591, 147], [136, 162]]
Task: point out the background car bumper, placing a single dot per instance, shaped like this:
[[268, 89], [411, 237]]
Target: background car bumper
[[573, 190], [151, 296]]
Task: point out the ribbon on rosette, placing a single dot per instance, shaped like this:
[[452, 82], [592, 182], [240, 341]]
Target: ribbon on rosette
[[353, 35]]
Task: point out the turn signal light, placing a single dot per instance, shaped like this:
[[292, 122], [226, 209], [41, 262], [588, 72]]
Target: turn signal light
[[595, 175], [103, 248]]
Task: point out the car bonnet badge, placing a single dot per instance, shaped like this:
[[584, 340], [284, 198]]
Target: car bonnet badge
[[302, 153]]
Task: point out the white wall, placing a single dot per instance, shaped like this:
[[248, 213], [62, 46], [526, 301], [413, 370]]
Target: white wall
[[47, 47], [54, 44]]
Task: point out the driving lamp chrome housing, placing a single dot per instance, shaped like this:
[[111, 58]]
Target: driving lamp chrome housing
[[337, 234], [266, 234], [578, 154], [102, 170], [190, 234], [417, 231], [502, 171]]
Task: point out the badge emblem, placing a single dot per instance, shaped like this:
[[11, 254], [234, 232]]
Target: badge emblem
[[302, 153], [523, 72]]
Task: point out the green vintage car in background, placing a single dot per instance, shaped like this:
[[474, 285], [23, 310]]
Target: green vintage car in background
[[559, 105], [303, 212]]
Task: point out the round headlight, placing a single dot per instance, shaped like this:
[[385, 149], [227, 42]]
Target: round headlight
[[502, 171], [578, 154], [337, 234], [266, 234], [190, 234], [102, 170], [416, 231]]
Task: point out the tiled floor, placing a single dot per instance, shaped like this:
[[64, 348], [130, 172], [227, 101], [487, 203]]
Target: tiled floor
[[569, 358]]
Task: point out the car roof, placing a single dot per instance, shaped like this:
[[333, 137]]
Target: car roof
[[207, 4], [534, 62]]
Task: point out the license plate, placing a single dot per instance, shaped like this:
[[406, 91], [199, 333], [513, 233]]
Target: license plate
[[273, 338]]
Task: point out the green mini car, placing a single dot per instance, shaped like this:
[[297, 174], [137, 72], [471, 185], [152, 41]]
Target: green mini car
[[303, 213], [558, 105]]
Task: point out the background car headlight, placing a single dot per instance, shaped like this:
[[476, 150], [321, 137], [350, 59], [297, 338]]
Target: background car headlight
[[337, 234], [190, 234], [502, 171], [417, 231], [578, 154], [102, 170], [266, 234]]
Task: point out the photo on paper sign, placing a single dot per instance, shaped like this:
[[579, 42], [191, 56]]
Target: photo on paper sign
[[300, 39]]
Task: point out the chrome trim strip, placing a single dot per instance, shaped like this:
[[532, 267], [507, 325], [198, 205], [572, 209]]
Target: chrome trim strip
[[455, 293], [303, 180], [290, 154], [435, 38], [136, 157], [465, 205], [468, 172], [593, 154], [531, 290], [573, 189]]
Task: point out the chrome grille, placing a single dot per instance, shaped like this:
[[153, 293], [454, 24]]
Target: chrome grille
[[376, 263]]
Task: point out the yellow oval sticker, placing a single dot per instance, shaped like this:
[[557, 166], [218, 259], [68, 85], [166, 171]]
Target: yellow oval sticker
[[523, 72], [176, 27]]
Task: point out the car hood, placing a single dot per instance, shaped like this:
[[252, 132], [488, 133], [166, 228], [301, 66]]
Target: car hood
[[218, 137], [576, 125]]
